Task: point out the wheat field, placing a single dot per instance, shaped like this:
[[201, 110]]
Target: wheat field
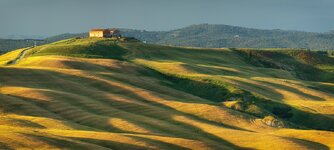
[[101, 94]]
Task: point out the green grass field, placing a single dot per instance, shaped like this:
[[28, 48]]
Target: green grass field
[[107, 94]]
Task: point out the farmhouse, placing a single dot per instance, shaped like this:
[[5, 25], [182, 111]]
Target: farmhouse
[[106, 33]]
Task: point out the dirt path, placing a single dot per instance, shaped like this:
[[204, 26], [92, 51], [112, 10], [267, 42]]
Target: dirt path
[[17, 59]]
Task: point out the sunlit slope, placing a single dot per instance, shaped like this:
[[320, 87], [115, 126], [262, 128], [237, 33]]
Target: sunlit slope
[[10, 56], [306, 102], [49, 100]]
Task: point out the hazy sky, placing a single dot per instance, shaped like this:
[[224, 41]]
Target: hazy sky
[[51, 17]]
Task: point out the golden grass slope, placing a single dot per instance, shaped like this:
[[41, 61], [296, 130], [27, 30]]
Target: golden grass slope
[[57, 102], [5, 58], [226, 66]]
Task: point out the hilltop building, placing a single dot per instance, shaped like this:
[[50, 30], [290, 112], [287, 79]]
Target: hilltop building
[[104, 33]]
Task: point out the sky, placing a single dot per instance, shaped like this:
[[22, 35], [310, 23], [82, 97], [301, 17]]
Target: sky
[[53, 17]]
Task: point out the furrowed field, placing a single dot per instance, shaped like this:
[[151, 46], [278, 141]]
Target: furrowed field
[[109, 94]]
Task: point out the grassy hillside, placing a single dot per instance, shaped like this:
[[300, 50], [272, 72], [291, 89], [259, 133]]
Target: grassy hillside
[[107, 94], [94, 48], [223, 75]]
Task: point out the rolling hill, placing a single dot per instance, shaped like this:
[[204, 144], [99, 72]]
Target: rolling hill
[[112, 94], [211, 36], [217, 36]]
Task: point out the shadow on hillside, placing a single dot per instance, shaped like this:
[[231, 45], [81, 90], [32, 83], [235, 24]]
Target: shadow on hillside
[[151, 142], [84, 85], [294, 90], [201, 69], [240, 71], [309, 144], [198, 68], [40, 78], [58, 142], [270, 91], [260, 89], [5, 146], [112, 144], [117, 145], [101, 122], [43, 79], [322, 87], [301, 66], [69, 64], [284, 111]]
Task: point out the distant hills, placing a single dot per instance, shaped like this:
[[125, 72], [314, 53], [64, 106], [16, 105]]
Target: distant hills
[[215, 36], [12, 44], [212, 36]]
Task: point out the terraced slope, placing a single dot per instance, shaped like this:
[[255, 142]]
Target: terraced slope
[[102, 94]]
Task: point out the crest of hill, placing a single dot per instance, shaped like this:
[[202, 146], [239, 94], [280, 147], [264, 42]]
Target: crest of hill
[[81, 47]]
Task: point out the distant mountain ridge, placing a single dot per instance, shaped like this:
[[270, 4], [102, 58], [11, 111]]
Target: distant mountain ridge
[[216, 36]]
